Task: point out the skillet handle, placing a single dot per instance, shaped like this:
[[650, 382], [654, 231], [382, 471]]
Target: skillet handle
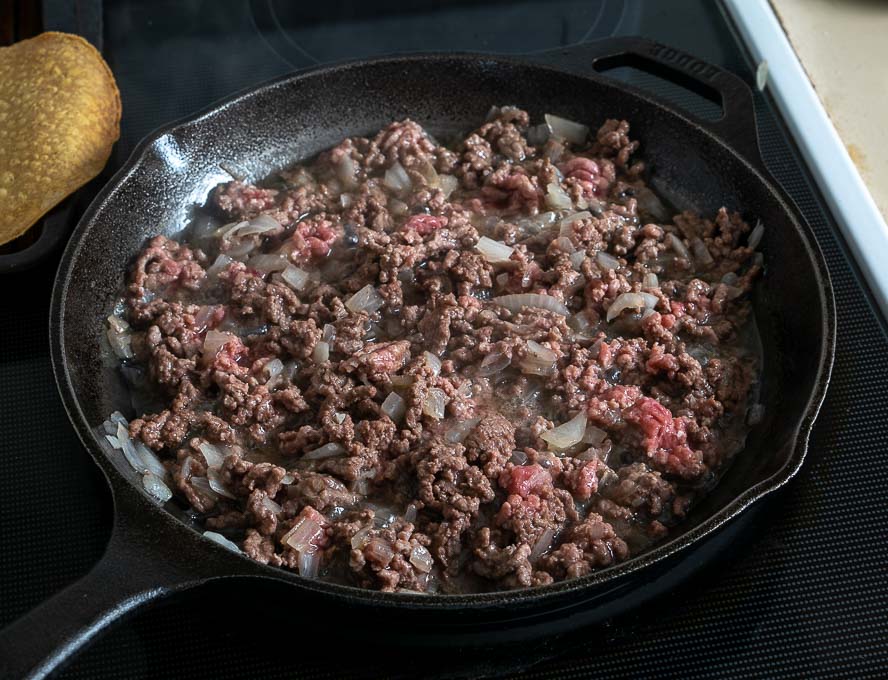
[[736, 126], [134, 571]]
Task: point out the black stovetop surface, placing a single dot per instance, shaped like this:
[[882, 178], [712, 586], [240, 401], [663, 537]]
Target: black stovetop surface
[[803, 594]]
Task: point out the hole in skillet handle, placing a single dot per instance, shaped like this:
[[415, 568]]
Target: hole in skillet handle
[[736, 125], [693, 96]]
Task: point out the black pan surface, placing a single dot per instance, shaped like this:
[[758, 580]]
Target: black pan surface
[[703, 165]]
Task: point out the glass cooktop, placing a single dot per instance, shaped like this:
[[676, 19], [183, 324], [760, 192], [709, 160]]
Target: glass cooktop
[[803, 595]]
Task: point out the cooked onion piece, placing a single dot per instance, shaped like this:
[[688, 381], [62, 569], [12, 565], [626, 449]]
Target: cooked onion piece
[[566, 435]]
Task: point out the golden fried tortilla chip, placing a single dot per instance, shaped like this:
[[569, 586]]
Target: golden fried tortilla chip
[[59, 117]]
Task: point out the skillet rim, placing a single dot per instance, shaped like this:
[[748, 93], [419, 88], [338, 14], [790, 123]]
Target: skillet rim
[[538, 595]]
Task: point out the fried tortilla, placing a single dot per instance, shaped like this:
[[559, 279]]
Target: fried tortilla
[[59, 118]]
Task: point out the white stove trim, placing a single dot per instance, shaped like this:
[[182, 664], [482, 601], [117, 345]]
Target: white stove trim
[[843, 188]]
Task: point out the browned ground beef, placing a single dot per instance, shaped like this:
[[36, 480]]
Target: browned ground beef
[[349, 390]]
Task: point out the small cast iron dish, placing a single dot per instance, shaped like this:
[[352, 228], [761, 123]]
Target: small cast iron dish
[[153, 553]]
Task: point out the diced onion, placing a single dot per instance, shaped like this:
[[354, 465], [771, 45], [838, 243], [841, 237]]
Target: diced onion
[[544, 353], [309, 563], [345, 200], [321, 353], [156, 488], [272, 370], [382, 516], [493, 363], [329, 333], [734, 292], [303, 534], [125, 444], [427, 170], [543, 543], [214, 477], [625, 301], [570, 219], [394, 406], [448, 184], [397, 179], [434, 403], [461, 430], [493, 251], [730, 279], [365, 300], [421, 559], [211, 454], [679, 247], [514, 303], [755, 236], [229, 229], [134, 458], [119, 337], [288, 479], [221, 263], [606, 261], [268, 263], [650, 300], [203, 484], [650, 281], [271, 505], [221, 540], [295, 277], [398, 208], [566, 435], [243, 249], [580, 322], [534, 225], [345, 172], [432, 362], [379, 551], [557, 198], [518, 457], [359, 540], [216, 340], [564, 244], [401, 381], [594, 435], [539, 360], [150, 459], [259, 225], [701, 252], [650, 203], [291, 370], [330, 450], [117, 324], [568, 130], [577, 258], [410, 513]]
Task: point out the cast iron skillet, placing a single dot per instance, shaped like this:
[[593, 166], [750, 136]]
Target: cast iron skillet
[[704, 165]]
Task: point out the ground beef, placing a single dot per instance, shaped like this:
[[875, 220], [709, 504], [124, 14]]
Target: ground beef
[[347, 382]]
